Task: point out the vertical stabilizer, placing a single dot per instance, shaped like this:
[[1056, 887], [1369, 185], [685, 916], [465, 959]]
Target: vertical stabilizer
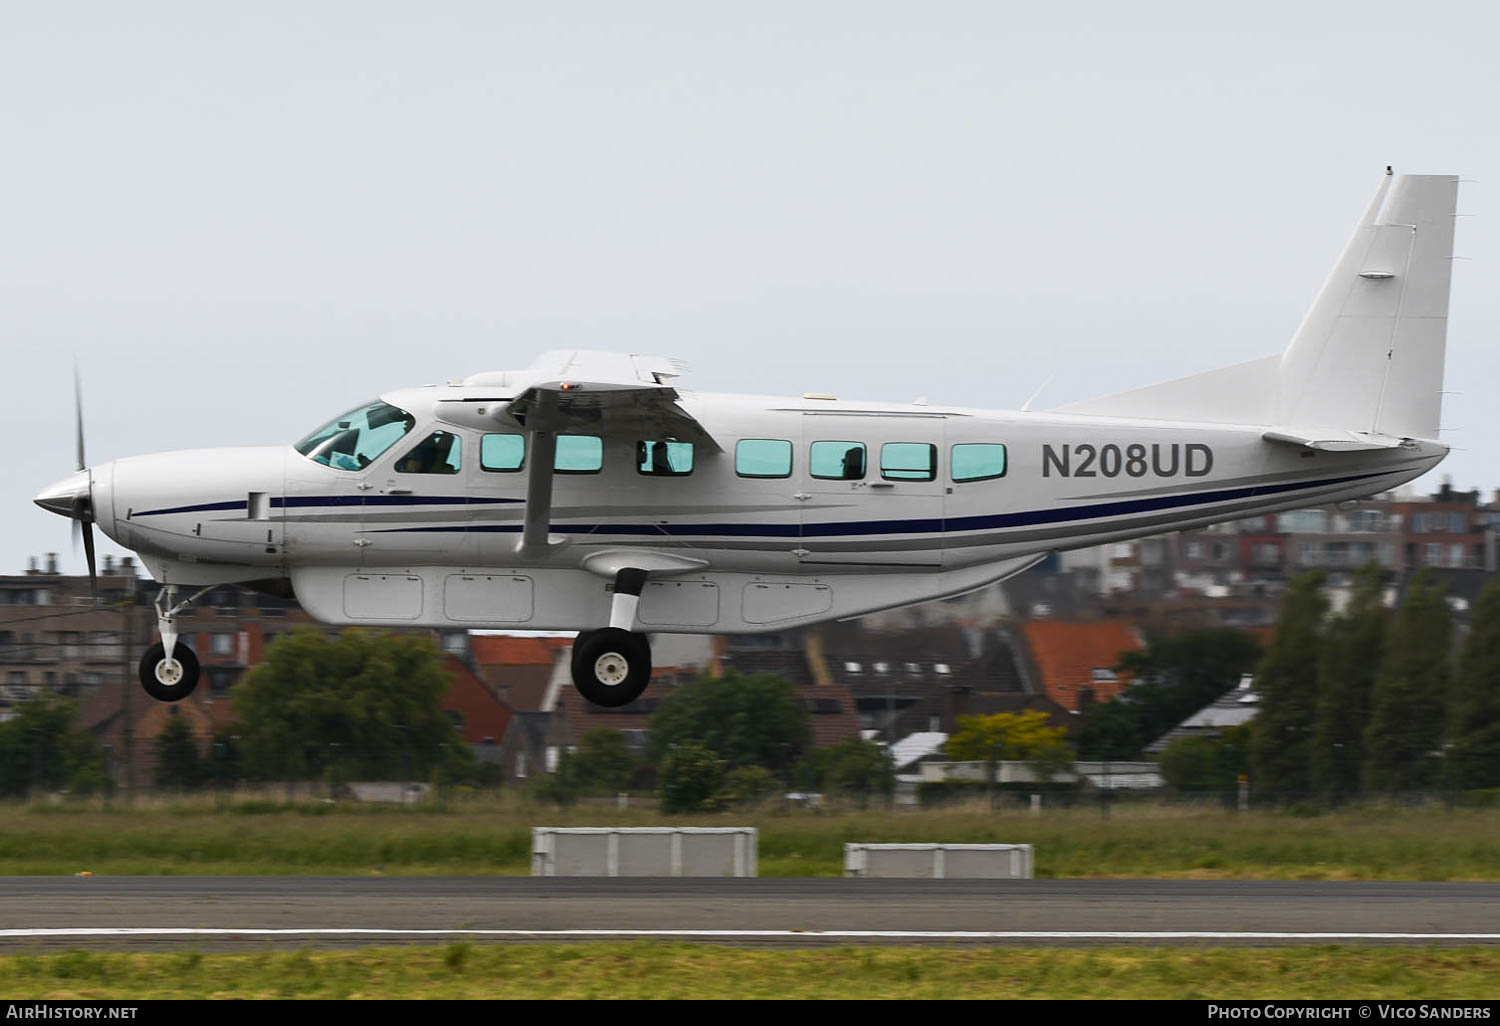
[[1368, 358]]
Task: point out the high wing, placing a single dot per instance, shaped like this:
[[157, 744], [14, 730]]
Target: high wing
[[609, 394], [612, 395]]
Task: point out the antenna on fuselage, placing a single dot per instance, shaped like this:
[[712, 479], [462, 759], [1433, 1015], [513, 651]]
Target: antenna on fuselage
[[1026, 406]]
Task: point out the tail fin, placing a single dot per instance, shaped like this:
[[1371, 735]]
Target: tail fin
[[1366, 366], [1369, 355]]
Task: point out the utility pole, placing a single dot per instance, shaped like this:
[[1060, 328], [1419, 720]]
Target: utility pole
[[127, 637]]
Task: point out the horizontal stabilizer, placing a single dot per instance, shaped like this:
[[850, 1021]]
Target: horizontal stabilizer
[[1347, 441]]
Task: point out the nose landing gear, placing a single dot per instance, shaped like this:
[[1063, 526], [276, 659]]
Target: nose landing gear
[[170, 678]]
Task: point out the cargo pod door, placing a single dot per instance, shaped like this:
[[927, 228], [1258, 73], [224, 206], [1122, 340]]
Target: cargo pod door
[[872, 489]]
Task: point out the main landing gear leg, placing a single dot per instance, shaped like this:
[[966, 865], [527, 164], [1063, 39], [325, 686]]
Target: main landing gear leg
[[611, 667], [169, 678]]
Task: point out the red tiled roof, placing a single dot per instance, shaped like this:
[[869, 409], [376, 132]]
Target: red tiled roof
[[521, 687], [1066, 654], [484, 715], [501, 649]]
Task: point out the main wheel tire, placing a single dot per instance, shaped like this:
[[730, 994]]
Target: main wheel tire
[[611, 667], [578, 643], [169, 680]]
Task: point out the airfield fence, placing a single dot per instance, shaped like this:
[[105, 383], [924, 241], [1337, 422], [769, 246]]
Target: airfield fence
[[440, 787]]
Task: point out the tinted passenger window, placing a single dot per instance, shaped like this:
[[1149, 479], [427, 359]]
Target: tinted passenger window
[[438, 453], [664, 459], [837, 461], [763, 457], [977, 462], [908, 461], [503, 453], [579, 454]]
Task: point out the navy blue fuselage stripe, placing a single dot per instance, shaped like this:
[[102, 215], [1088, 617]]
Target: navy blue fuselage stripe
[[1126, 506], [206, 507], [314, 501], [1030, 518]]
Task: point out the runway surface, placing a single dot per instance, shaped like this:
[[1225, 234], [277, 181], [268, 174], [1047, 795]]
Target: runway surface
[[222, 913]]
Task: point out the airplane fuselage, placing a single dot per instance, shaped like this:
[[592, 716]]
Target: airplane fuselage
[[809, 509]]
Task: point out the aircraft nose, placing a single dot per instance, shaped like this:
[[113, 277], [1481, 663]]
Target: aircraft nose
[[62, 498]]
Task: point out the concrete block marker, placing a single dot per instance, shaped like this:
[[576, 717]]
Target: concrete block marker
[[940, 861], [643, 851]]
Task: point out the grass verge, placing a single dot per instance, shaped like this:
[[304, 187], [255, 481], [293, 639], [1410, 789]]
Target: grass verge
[[493, 836], [648, 969]]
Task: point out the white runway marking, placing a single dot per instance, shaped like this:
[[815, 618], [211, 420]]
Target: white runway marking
[[144, 931]]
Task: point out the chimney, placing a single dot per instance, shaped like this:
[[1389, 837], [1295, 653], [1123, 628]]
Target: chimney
[[109, 564], [52, 563], [31, 567], [127, 565]]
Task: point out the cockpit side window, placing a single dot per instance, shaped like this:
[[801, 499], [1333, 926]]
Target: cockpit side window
[[503, 453], [358, 438], [438, 453]]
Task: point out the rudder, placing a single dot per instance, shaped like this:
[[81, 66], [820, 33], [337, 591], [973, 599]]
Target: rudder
[[1368, 358]]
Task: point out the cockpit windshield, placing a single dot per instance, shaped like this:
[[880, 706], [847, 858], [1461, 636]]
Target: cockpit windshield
[[356, 439]]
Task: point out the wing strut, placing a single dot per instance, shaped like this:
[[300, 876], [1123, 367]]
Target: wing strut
[[536, 533]]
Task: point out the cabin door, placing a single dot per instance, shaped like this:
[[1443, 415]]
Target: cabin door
[[872, 489]]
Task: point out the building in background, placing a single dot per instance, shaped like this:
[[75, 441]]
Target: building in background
[[1049, 640]]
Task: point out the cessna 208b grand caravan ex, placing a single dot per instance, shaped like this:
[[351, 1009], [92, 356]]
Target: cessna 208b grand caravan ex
[[587, 493]]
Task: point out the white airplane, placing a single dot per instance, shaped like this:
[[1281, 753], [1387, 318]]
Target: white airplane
[[587, 493]]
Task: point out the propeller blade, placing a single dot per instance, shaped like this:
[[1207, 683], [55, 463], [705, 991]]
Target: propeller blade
[[83, 524], [88, 554], [78, 414]]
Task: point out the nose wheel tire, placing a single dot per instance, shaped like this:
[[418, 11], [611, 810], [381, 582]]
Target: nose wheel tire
[[169, 680], [611, 667]]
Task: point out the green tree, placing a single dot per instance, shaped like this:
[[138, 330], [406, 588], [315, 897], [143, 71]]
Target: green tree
[[603, 763], [1411, 693], [561, 786], [1474, 720], [1347, 666], [1051, 760], [366, 705], [223, 765], [861, 770], [1287, 685], [1111, 730], [1175, 677], [749, 785], [691, 779], [41, 746], [999, 736], [747, 721], [1202, 764], [179, 766]]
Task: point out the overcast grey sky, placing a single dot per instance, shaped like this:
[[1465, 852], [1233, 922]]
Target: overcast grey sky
[[242, 224]]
